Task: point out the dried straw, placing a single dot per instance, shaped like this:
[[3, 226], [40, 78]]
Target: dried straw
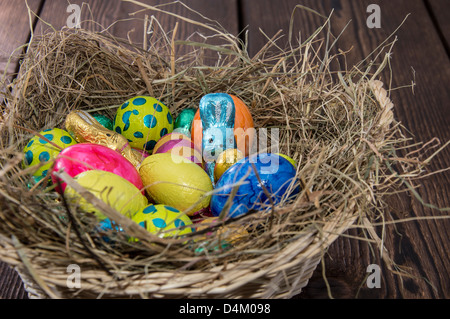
[[338, 126]]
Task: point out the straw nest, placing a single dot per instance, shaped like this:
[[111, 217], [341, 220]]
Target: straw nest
[[338, 126]]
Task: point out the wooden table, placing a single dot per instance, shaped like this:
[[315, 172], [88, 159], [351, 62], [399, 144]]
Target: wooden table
[[421, 56]]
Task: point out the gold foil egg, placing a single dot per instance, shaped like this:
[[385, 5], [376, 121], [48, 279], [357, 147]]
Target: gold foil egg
[[225, 160]]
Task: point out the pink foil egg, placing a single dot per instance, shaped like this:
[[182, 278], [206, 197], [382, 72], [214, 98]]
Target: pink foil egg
[[168, 137], [86, 156], [181, 147]]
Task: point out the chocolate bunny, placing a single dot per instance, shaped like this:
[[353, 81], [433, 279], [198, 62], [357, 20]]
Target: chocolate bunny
[[86, 129], [217, 113]]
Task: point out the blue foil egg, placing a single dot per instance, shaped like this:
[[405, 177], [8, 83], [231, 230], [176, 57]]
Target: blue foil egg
[[276, 174]]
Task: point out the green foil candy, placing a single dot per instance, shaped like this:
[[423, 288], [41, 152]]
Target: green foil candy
[[34, 180], [104, 121], [212, 247], [183, 122]]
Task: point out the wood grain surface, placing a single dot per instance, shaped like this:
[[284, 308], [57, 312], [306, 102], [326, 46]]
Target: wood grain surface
[[438, 10], [126, 20], [14, 32], [420, 57]]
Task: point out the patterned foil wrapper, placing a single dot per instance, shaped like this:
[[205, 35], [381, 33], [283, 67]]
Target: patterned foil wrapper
[[84, 128]]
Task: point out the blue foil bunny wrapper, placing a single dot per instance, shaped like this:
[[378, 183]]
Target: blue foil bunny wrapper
[[217, 113]]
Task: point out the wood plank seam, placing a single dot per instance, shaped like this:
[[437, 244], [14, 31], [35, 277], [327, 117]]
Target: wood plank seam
[[437, 26]]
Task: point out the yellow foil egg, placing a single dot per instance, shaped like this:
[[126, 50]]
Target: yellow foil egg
[[163, 221], [112, 189], [225, 160], [175, 181]]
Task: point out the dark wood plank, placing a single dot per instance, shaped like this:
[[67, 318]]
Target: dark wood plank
[[421, 247], [439, 10], [11, 286], [14, 31], [127, 20]]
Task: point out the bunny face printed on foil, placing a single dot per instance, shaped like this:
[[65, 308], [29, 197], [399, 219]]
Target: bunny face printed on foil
[[217, 113]]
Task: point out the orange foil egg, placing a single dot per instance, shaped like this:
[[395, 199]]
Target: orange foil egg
[[243, 127]]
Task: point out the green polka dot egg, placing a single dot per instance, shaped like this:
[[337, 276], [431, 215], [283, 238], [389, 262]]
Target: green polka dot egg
[[164, 221], [143, 121], [39, 150]]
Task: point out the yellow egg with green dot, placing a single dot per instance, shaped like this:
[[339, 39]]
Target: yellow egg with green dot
[[39, 150], [143, 120], [164, 221]]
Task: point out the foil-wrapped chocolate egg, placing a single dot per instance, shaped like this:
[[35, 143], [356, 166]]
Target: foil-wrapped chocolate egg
[[260, 176], [175, 181], [82, 157], [108, 230], [183, 122], [112, 189], [40, 151], [290, 159], [105, 121], [143, 120], [163, 221], [231, 233], [181, 146], [169, 137], [225, 160]]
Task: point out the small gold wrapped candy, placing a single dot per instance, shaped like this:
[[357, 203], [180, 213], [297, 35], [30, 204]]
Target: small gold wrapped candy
[[231, 233], [225, 160]]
